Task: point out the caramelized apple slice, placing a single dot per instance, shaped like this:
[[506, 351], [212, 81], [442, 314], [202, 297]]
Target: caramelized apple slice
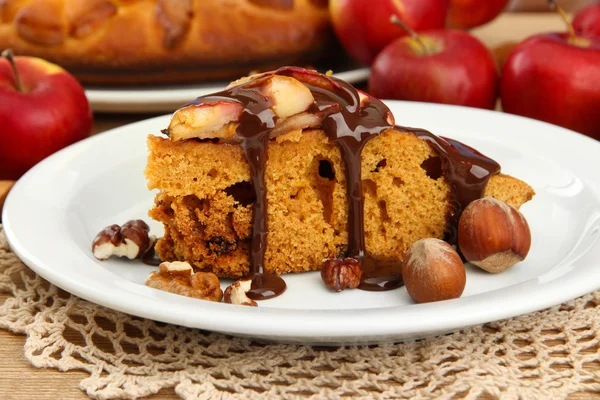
[[205, 121], [289, 96], [300, 121], [309, 77], [286, 93]]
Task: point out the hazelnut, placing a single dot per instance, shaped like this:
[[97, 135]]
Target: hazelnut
[[432, 271], [341, 273], [493, 235]]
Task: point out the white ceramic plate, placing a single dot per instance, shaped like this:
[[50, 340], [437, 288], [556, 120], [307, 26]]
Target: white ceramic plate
[[154, 99], [56, 209]]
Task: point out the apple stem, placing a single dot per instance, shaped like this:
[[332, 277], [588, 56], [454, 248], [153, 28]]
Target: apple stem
[[398, 22], [555, 7], [10, 56]]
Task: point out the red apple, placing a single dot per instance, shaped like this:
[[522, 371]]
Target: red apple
[[363, 25], [555, 77], [587, 21], [446, 66], [42, 109], [466, 14]]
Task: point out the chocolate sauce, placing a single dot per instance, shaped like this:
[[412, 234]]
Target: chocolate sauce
[[466, 170], [349, 121], [151, 258], [253, 131]]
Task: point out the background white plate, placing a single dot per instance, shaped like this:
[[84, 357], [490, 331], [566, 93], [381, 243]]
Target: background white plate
[[56, 209], [154, 99]]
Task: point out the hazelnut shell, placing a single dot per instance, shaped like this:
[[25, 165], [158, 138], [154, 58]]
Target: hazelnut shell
[[432, 271], [493, 235]]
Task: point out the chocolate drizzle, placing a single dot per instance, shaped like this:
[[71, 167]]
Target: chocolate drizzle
[[150, 257], [351, 119], [352, 122], [255, 124], [466, 170]]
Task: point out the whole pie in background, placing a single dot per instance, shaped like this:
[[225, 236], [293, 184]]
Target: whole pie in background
[[165, 41]]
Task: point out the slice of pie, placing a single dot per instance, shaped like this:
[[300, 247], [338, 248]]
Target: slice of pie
[[285, 169]]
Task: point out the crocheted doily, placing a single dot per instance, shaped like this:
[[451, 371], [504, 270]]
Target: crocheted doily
[[546, 354]]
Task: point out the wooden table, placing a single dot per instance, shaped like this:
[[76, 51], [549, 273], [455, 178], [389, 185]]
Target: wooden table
[[19, 380]]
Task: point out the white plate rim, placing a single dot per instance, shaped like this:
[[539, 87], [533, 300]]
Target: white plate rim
[[326, 326], [148, 99]]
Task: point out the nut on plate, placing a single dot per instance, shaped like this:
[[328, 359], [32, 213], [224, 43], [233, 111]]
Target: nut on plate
[[132, 240], [236, 293], [341, 273], [178, 277], [432, 271], [493, 235]]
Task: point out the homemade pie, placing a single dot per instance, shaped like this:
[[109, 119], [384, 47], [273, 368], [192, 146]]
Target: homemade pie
[[158, 41]]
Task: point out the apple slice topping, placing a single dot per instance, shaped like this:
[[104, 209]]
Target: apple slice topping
[[288, 96], [205, 121], [289, 99], [287, 92]]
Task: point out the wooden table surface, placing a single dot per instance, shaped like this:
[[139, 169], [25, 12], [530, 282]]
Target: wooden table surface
[[20, 380]]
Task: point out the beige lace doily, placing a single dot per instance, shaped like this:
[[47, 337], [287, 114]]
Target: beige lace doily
[[547, 354]]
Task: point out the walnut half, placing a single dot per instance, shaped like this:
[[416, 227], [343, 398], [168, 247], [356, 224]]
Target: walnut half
[[179, 278], [130, 240]]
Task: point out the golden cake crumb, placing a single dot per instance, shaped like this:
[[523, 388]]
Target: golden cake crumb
[[205, 200]]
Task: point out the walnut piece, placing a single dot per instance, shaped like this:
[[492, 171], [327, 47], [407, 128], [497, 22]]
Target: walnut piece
[[130, 240], [178, 277], [236, 293], [341, 273]]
